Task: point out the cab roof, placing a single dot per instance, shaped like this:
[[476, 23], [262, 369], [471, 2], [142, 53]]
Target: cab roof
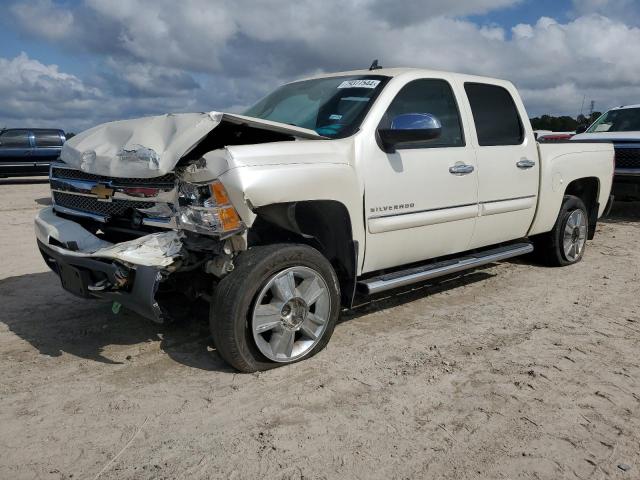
[[626, 107], [395, 72]]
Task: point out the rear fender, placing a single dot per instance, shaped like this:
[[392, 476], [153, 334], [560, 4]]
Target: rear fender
[[561, 165]]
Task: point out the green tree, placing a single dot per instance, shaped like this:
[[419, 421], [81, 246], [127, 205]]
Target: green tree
[[563, 123]]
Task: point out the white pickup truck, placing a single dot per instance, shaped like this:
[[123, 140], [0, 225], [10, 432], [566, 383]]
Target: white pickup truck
[[361, 181], [621, 127]]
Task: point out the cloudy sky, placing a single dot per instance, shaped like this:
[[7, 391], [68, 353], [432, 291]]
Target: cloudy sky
[[76, 63]]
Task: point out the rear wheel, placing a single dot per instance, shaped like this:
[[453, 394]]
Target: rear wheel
[[278, 306], [566, 243]]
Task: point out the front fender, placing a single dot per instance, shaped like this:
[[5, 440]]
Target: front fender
[[259, 186]]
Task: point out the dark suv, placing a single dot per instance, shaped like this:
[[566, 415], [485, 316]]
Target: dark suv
[[29, 151]]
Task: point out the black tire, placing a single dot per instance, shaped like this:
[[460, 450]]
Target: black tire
[[235, 296], [549, 246]]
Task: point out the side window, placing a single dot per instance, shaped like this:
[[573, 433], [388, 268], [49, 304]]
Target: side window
[[495, 115], [436, 98], [15, 139], [48, 138]]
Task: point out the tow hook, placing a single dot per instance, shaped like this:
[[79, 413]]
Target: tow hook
[[220, 265], [100, 286], [121, 276]]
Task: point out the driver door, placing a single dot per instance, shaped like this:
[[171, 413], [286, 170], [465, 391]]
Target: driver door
[[421, 201]]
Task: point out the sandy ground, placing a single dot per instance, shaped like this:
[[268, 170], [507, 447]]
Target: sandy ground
[[515, 371]]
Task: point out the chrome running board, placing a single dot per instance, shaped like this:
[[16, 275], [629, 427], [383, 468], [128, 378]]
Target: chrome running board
[[427, 272]]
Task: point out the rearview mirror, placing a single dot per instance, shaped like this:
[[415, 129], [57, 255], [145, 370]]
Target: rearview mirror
[[581, 129], [409, 129]]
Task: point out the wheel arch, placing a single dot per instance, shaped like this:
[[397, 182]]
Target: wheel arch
[[587, 189], [322, 224]]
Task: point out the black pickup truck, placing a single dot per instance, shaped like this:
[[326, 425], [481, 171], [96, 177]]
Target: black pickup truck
[[29, 151]]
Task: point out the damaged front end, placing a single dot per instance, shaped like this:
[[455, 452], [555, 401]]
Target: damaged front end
[[138, 242], [128, 273], [138, 218]]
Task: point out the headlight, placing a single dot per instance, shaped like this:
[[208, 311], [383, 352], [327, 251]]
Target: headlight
[[207, 209]]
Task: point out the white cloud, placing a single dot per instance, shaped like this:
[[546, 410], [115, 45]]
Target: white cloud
[[186, 34], [147, 79], [43, 18], [159, 55], [31, 89], [624, 10], [35, 94], [413, 11]]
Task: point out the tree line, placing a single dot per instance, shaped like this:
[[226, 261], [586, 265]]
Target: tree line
[[564, 123]]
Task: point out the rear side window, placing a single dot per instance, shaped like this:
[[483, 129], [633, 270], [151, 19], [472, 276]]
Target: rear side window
[[432, 96], [48, 138], [15, 139], [495, 115]]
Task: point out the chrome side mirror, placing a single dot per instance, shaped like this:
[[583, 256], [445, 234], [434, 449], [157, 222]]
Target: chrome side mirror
[[409, 129]]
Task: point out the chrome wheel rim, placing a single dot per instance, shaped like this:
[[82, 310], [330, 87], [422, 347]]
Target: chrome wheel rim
[[291, 314], [575, 235]]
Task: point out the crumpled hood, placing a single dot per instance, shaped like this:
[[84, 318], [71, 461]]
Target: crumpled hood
[[608, 136], [152, 146]]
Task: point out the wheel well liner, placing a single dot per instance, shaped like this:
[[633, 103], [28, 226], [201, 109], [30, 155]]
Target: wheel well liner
[[322, 224], [587, 189]]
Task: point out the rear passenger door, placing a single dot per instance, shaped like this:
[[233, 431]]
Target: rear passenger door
[[507, 160], [16, 149], [48, 144]]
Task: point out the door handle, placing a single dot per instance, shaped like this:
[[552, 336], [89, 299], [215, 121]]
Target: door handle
[[526, 163], [461, 169]]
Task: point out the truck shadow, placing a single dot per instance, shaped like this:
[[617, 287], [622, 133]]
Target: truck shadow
[[395, 298], [37, 310], [623, 212], [44, 201]]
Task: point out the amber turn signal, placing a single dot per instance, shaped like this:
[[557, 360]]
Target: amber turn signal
[[219, 193], [229, 219]]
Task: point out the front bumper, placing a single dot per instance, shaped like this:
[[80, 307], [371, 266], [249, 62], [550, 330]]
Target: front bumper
[[129, 273]]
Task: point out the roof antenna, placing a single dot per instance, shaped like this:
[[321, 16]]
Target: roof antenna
[[374, 65]]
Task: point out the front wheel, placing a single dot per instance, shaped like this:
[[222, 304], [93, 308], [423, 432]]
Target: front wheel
[[278, 306], [566, 243]]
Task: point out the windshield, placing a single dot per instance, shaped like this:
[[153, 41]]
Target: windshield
[[624, 120], [332, 106]]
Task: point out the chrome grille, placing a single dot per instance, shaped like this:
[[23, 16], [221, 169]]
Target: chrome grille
[[60, 172], [143, 201], [115, 208], [628, 158]]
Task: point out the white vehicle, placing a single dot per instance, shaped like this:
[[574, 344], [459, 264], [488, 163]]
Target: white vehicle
[[620, 126], [360, 181]]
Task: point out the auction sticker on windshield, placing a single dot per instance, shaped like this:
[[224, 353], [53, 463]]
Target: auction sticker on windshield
[[359, 84]]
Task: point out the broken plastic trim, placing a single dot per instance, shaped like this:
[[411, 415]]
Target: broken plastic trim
[[141, 296], [159, 250]]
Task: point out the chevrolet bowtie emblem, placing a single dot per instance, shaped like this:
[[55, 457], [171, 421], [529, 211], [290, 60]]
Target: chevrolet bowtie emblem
[[102, 192]]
